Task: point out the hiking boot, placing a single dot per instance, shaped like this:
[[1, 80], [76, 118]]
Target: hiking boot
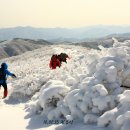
[[5, 93]]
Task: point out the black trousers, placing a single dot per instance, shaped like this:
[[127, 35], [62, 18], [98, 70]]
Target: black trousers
[[4, 86]]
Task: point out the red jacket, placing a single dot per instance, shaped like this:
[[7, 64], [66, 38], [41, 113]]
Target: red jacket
[[54, 62]]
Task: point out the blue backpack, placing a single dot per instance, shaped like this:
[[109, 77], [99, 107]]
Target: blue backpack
[[2, 74]]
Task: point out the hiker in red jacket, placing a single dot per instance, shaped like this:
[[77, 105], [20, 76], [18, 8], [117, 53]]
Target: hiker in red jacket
[[54, 62]]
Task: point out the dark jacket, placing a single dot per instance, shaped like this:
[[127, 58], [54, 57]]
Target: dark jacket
[[6, 73]]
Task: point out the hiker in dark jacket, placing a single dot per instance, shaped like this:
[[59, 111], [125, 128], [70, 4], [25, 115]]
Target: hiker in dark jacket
[[3, 77]]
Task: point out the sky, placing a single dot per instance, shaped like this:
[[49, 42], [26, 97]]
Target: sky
[[64, 13]]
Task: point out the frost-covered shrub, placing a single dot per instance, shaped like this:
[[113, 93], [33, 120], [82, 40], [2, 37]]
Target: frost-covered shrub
[[34, 106], [52, 92], [120, 115], [90, 85]]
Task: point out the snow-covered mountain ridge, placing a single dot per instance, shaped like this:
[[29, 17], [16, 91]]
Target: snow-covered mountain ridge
[[87, 88], [19, 46]]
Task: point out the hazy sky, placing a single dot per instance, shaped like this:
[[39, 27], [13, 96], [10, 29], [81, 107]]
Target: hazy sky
[[63, 13]]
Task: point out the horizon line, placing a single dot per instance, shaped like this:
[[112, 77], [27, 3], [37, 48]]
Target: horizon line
[[30, 26]]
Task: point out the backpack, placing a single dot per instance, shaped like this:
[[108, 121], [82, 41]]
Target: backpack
[[63, 57], [2, 75]]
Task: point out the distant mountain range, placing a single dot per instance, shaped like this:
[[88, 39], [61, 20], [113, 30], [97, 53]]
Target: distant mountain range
[[106, 41], [19, 46], [62, 34]]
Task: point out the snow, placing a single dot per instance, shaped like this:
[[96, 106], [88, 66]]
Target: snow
[[15, 117], [12, 118], [90, 118], [86, 89]]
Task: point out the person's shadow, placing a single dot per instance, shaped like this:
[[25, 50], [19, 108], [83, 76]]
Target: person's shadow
[[13, 101]]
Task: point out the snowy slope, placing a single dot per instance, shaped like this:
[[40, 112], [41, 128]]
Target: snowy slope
[[86, 89]]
